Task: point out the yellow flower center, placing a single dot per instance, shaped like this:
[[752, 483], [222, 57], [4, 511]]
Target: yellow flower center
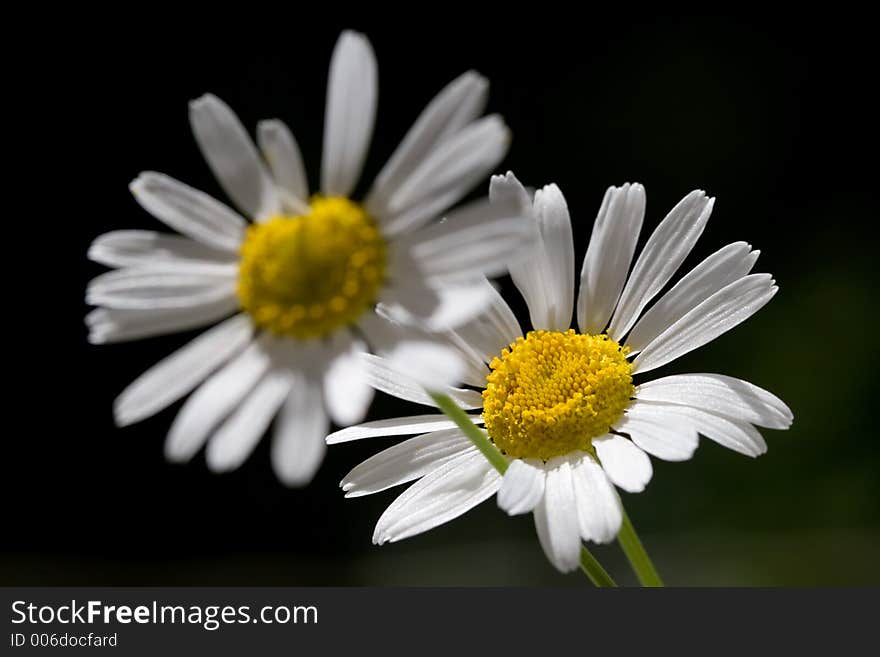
[[306, 276], [551, 393]]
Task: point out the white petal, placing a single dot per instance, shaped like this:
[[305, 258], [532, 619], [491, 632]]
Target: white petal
[[522, 487], [232, 156], [541, 277], [435, 305], [177, 374], [430, 360], [556, 517], [527, 277], [446, 175], [459, 103], [189, 211], [298, 443], [346, 390], [406, 462], [132, 248], [215, 400], [446, 493], [236, 438], [383, 332], [475, 369], [399, 426], [739, 436], [626, 465], [383, 376], [477, 239], [609, 254], [725, 309], [722, 395], [554, 224], [148, 288], [664, 252], [599, 511], [285, 160], [114, 325], [507, 189], [352, 93], [458, 302], [493, 330], [408, 293], [721, 268], [665, 436], [428, 363]]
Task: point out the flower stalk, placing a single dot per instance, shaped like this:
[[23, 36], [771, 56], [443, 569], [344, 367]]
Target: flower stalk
[[638, 558]]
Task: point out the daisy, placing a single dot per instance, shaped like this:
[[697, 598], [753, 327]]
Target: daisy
[[561, 404], [297, 277]]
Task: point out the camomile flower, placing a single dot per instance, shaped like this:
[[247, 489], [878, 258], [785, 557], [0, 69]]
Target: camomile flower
[[568, 407], [296, 278]]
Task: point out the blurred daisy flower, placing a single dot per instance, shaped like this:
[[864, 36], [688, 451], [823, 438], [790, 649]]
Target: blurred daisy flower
[[299, 282], [562, 405]]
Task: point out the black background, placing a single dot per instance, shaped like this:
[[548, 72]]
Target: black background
[[773, 116]]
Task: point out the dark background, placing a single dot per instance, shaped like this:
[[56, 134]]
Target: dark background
[[774, 117]]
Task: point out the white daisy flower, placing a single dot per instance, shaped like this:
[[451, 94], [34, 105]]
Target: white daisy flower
[[562, 404], [302, 280]]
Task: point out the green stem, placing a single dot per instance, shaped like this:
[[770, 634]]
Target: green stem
[[591, 567], [594, 570], [635, 552], [477, 436]]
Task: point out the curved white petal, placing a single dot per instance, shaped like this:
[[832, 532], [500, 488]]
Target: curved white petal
[[346, 390], [352, 94], [609, 254], [435, 305], [522, 486], [214, 400], [236, 438], [406, 294], [429, 363], [526, 274], [233, 158], [298, 445], [508, 190], [739, 436], [664, 252], [133, 248], [554, 224], [626, 465], [480, 238], [108, 325], [457, 105], [399, 426], [148, 288], [541, 277], [383, 376], [285, 160], [667, 437], [458, 303], [599, 511], [177, 374], [493, 330], [443, 495], [406, 462], [189, 211], [725, 309], [721, 268], [722, 395], [556, 517], [448, 173], [475, 369]]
